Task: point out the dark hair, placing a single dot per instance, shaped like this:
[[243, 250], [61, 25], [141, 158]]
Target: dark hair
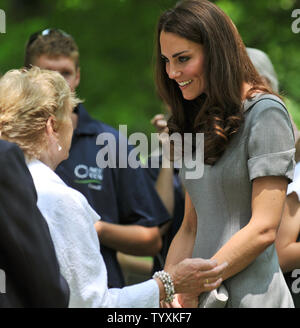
[[217, 113], [51, 42]]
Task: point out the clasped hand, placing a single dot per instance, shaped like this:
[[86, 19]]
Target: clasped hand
[[191, 277]]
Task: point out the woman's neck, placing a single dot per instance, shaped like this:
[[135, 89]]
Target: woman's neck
[[48, 160]]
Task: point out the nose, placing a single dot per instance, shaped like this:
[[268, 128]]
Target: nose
[[173, 73]]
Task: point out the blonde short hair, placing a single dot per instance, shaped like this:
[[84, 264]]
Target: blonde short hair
[[27, 99]]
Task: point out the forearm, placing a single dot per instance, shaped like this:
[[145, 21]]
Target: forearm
[[137, 264], [289, 257], [181, 247], [183, 243], [243, 248], [129, 239], [268, 197], [288, 249], [165, 189]]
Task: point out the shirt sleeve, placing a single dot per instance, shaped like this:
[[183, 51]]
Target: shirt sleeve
[[271, 144], [81, 262], [294, 186]]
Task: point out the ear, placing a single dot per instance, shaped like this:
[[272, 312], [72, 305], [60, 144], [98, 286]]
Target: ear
[[50, 127]]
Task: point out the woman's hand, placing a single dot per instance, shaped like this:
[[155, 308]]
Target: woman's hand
[[161, 126], [195, 276], [174, 304], [160, 123], [188, 300], [179, 300]]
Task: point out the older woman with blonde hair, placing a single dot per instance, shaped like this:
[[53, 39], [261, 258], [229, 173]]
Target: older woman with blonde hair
[[35, 105], [35, 113]]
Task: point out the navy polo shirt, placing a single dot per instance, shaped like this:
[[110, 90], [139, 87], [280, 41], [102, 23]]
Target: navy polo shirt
[[118, 195]]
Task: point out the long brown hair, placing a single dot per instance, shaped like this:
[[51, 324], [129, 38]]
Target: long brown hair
[[217, 113]]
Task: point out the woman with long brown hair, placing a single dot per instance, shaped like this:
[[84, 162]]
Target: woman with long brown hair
[[233, 211]]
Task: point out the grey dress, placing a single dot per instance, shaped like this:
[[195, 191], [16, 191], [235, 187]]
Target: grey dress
[[264, 146]]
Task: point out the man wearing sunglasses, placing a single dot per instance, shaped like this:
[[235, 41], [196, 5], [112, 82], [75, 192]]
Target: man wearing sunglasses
[[125, 198]]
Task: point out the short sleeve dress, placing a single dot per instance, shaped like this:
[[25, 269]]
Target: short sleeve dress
[[264, 146]]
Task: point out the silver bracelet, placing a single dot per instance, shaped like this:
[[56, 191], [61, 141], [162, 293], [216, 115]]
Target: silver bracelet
[[168, 285]]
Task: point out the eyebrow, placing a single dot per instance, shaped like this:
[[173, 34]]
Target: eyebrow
[[176, 54], [179, 53]]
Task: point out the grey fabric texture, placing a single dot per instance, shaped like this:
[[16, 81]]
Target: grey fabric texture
[[264, 146]]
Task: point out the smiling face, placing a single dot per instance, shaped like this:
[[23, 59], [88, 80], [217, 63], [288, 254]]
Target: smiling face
[[184, 63]]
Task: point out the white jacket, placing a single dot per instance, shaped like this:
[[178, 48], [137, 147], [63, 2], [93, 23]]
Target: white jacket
[[71, 222]]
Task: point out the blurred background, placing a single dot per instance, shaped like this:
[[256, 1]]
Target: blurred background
[[116, 42]]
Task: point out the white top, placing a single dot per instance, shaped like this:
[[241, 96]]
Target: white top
[[294, 186], [71, 223]]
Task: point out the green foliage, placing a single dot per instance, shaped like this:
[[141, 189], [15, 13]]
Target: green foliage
[[116, 40], [266, 25]]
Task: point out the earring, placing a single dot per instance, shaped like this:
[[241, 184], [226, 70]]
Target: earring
[[59, 147]]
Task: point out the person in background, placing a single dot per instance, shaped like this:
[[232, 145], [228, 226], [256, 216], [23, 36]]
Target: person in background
[[30, 271], [232, 213], [288, 238], [132, 213], [35, 112], [265, 68]]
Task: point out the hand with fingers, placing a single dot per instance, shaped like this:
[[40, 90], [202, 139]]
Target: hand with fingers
[[188, 300], [191, 277], [192, 300], [160, 123], [175, 304]]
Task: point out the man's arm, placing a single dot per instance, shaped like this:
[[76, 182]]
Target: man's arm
[[141, 212], [287, 244], [27, 251], [130, 239]]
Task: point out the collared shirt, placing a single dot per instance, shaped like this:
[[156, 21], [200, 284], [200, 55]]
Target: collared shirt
[[118, 195]]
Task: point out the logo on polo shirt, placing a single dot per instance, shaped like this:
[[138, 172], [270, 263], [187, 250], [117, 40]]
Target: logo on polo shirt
[[92, 176]]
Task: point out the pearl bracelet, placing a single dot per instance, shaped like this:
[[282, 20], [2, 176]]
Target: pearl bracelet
[[168, 284]]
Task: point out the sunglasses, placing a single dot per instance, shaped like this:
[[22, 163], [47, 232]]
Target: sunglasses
[[46, 32]]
